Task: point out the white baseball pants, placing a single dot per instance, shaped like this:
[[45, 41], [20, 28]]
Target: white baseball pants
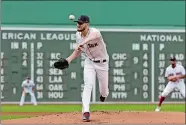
[[171, 86], [33, 99], [91, 70]]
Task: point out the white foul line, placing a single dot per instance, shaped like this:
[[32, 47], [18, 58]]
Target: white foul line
[[152, 72], [32, 61]]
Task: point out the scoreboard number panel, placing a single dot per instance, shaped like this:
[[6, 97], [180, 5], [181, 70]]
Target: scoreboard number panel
[[138, 59]]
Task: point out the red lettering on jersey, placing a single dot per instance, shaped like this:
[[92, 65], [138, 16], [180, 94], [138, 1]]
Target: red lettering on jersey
[[178, 73]]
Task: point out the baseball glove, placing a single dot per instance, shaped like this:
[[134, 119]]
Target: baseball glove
[[172, 78], [61, 64]]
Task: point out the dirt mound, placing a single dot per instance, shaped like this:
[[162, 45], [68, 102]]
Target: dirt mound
[[103, 117]]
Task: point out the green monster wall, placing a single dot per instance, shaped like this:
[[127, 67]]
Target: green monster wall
[[138, 57], [109, 13]]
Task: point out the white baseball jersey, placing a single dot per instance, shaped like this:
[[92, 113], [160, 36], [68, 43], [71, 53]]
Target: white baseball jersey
[[178, 70], [95, 49], [28, 85]]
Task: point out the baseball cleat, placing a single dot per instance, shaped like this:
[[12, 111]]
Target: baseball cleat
[[86, 117], [157, 109], [102, 99]]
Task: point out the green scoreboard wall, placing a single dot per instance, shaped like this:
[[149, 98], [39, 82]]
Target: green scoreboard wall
[[107, 13], [138, 59]]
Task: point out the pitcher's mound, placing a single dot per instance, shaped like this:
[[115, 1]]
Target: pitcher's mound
[[104, 117]]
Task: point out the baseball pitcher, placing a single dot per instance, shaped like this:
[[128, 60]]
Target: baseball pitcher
[[175, 74], [91, 43], [28, 88]]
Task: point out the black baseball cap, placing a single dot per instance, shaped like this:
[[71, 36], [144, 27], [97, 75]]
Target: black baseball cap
[[173, 58], [83, 19]]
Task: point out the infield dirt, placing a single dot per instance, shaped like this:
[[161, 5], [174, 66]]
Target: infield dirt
[[100, 117]]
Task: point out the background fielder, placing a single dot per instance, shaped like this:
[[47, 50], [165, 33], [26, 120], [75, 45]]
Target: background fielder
[[175, 74], [28, 88]]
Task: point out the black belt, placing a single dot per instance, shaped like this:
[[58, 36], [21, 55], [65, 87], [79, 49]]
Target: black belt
[[99, 61]]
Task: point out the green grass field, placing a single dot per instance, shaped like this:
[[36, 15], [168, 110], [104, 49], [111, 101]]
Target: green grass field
[[13, 117], [95, 107]]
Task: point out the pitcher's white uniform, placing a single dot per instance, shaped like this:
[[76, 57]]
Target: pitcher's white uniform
[[179, 84], [27, 86], [96, 63]]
